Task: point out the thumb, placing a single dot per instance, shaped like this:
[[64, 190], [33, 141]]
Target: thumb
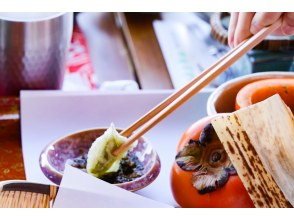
[[263, 19], [287, 27]]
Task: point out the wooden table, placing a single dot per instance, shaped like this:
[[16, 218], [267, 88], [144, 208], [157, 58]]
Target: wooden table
[[149, 65], [139, 55], [11, 161], [132, 49]]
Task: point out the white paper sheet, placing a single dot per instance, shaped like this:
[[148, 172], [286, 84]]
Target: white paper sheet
[[48, 115], [80, 190]]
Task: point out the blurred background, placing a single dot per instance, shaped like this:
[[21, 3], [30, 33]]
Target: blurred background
[[160, 50]]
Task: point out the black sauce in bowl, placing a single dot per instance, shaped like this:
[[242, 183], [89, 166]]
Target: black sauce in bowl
[[130, 168]]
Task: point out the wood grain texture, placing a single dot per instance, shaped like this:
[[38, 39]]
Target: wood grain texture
[[145, 51], [259, 141]]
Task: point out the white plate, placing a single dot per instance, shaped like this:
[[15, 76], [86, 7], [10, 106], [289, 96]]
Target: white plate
[[47, 115]]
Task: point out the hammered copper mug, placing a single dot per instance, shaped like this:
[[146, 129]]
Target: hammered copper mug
[[33, 50]]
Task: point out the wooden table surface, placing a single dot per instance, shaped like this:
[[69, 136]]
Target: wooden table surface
[[137, 55], [11, 161], [145, 52]]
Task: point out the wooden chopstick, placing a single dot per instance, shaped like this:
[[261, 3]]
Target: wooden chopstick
[[128, 131], [151, 119]]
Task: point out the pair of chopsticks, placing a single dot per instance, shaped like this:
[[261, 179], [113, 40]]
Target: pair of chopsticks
[[158, 113]]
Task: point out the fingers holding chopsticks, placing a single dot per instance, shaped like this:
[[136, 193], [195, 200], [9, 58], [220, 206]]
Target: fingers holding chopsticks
[[239, 28], [244, 24]]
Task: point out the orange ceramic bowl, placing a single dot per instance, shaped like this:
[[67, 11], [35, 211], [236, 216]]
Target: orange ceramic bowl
[[223, 99], [260, 90]]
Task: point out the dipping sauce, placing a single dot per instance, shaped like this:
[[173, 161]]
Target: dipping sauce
[[130, 168]]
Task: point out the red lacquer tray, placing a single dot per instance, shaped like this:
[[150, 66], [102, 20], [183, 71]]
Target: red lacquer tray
[[11, 161]]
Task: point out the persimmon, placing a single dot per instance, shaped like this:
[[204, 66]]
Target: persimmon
[[260, 90], [202, 174]]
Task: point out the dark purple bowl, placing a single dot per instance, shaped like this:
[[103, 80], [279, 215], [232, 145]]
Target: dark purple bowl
[[54, 157]]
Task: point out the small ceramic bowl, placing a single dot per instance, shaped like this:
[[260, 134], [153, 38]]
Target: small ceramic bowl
[[54, 157], [222, 100]]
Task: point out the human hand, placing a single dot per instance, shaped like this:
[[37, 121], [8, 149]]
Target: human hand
[[244, 24]]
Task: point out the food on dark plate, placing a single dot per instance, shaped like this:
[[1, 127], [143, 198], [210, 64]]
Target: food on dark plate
[[130, 168], [100, 162], [100, 156]]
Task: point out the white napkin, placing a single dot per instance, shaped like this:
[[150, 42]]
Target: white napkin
[[81, 190], [119, 85]]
